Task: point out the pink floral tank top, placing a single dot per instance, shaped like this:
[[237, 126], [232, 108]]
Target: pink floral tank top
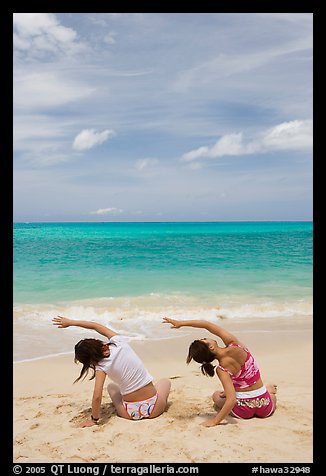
[[249, 373]]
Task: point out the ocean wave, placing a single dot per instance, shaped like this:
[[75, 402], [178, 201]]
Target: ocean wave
[[139, 318], [154, 306]]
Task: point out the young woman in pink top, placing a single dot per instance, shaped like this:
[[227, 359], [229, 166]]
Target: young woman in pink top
[[244, 395]]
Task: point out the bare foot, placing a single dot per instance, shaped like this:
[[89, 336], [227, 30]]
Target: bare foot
[[272, 389]]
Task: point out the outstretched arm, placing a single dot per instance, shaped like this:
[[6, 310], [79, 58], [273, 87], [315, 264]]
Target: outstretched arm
[[64, 322], [226, 336]]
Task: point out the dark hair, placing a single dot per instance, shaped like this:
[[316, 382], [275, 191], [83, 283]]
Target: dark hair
[[199, 351], [89, 352]]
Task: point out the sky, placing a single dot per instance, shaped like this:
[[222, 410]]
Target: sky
[[162, 117]]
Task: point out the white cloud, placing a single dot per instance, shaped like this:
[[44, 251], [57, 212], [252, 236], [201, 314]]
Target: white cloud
[[110, 38], [89, 138], [107, 211], [36, 33], [45, 89], [142, 164], [42, 140], [292, 135], [227, 63]]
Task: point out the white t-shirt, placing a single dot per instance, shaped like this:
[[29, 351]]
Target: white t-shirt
[[124, 367]]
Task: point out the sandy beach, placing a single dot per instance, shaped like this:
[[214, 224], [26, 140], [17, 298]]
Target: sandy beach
[[48, 407]]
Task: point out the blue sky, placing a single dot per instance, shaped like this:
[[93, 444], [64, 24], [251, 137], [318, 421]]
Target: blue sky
[[162, 116]]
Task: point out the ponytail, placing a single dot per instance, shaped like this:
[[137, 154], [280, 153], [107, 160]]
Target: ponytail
[[207, 369], [201, 354]]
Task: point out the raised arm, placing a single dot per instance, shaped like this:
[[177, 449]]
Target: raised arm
[[63, 322], [226, 336]]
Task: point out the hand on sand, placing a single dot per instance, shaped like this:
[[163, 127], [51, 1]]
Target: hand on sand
[[208, 423], [86, 423]]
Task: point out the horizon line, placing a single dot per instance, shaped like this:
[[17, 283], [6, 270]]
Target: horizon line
[[169, 221]]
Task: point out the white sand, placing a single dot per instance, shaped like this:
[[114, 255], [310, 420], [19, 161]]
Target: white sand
[[48, 407]]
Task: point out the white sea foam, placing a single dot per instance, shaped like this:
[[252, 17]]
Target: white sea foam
[[138, 317]]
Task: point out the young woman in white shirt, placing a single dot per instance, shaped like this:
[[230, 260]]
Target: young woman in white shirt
[[133, 393]]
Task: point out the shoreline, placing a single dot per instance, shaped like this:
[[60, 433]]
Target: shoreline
[[35, 337], [257, 324], [45, 397]]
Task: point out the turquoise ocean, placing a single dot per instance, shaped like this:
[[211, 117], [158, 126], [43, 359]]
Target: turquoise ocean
[[130, 275]]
